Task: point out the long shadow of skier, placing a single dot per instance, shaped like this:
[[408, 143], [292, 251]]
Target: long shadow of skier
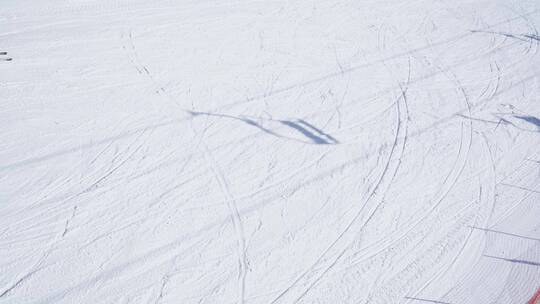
[[530, 119]]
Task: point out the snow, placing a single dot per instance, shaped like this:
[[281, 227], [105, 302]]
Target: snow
[[269, 151]]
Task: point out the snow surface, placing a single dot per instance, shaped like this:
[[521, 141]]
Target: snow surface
[[269, 151]]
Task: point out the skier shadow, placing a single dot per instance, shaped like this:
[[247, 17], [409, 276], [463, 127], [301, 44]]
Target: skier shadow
[[530, 119], [309, 131]]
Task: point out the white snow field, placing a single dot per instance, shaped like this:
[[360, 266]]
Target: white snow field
[[204, 151]]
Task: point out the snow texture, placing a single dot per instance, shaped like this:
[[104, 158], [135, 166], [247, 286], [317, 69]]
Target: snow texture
[[269, 151]]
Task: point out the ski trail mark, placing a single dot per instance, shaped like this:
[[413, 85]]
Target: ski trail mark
[[236, 221], [389, 171]]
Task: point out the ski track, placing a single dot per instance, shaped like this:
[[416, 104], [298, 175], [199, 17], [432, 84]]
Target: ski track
[[237, 224], [269, 152]]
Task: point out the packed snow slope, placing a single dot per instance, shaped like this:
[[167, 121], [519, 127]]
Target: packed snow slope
[[204, 151]]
